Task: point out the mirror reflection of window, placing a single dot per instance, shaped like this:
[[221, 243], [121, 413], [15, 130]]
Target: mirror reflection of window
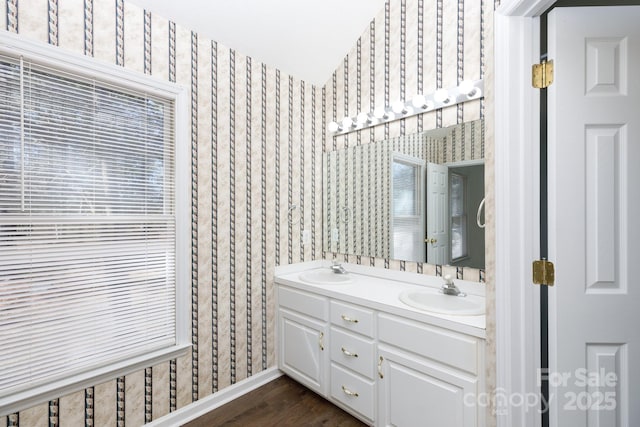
[[405, 186], [458, 209], [407, 228]]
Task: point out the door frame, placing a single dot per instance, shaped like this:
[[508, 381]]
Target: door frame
[[517, 204]]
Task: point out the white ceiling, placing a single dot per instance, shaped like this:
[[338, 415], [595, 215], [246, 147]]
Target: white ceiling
[[305, 38]]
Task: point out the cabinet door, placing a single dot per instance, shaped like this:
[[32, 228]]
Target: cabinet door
[[304, 351], [413, 391]]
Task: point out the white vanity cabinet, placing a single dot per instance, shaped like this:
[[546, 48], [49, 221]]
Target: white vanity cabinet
[[304, 338], [386, 366], [428, 375]]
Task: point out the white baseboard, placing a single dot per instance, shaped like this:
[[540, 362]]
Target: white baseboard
[[213, 401]]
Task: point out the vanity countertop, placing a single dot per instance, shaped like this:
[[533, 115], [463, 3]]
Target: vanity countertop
[[380, 289]]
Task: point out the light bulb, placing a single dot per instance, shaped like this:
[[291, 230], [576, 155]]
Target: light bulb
[[466, 87], [363, 118], [441, 95], [334, 127], [381, 113], [420, 102], [347, 123], [399, 107]]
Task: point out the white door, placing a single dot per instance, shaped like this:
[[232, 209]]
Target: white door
[[594, 216], [437, 239], [407, 210]]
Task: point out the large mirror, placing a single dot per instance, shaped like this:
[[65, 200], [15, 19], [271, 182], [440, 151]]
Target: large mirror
[[414, 198]]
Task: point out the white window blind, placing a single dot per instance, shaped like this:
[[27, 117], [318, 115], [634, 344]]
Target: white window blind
[[407, 225], [87, 225]]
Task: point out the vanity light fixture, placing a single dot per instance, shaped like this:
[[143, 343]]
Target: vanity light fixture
[[467, 90]]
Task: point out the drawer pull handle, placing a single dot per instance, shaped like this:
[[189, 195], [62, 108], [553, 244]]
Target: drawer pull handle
[[321, 341], [349, 319], [380, 374], [349, 392], [348, 353]]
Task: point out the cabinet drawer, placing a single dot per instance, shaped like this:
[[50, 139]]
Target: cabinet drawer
[[352, 317], [448, 347], [303, 302], [353, 352], [353, 391]]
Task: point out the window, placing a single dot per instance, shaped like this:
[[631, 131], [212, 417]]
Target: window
[[457, 196], [89, 230]]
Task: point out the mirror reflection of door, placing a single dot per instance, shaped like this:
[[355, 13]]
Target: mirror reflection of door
[[407, 210], [454, 194], [437, 237], [466, 192]]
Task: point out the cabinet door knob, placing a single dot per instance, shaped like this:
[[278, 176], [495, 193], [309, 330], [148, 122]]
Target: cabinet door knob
[[349, 319], [321, 341], [349, 392], [380, 374], [348, 353]]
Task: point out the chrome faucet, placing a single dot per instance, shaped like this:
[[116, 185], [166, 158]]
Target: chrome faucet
[[337, 268], [449, 288]]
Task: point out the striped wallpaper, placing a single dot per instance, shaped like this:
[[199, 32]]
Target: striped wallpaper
[[257, 138], [247, 121]]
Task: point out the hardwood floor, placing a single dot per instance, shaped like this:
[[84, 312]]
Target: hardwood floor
[[282, 402]]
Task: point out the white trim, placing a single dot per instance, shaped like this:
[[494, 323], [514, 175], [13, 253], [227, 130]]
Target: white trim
[[465, 163], [29, 398], [517, 173], [216, 400], [183, 216], [526, 8], [80, 65]]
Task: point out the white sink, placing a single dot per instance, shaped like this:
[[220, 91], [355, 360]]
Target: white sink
[[434, 302], [325, 276]]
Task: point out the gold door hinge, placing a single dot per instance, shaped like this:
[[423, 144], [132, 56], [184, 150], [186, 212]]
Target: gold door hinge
[[544, 273], [542, 75]]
